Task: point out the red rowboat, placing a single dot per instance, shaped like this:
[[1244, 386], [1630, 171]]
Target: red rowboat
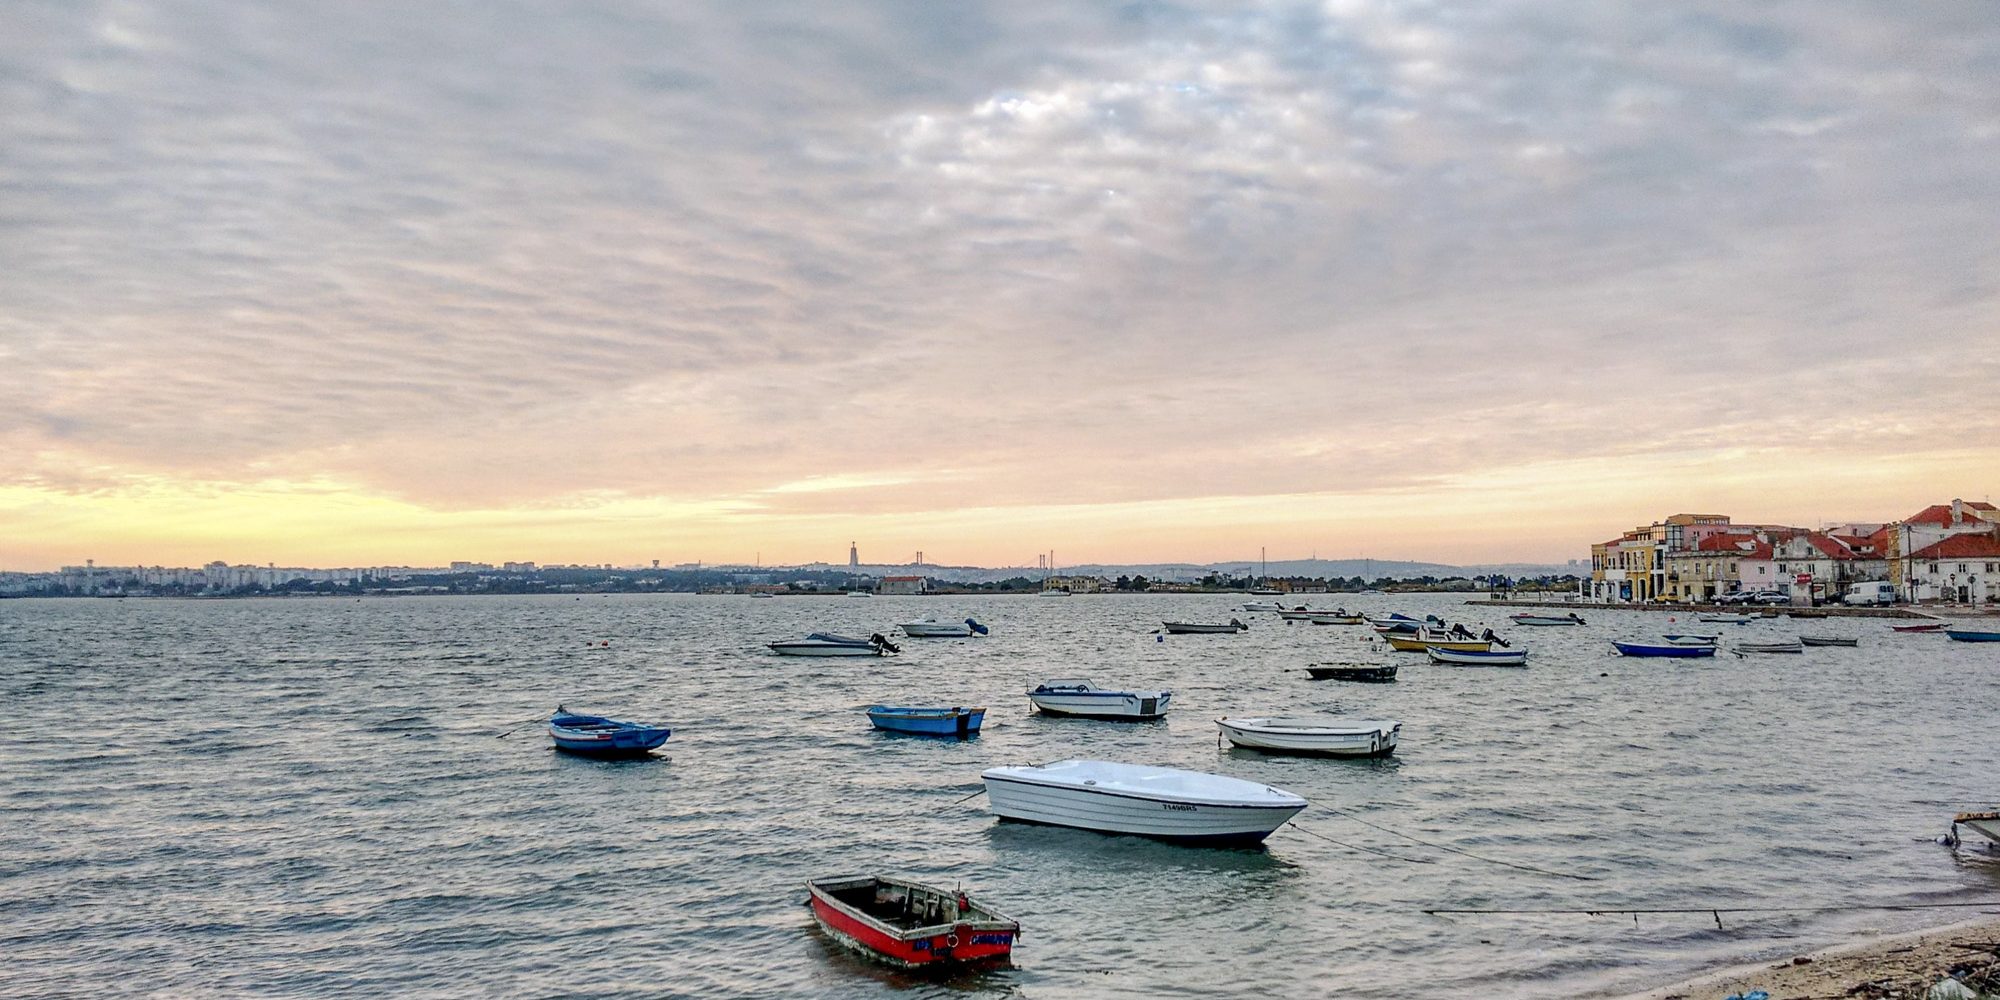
[[1928, 627], [910, 924]]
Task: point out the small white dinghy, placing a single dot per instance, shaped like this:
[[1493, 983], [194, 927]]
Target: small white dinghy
[[1165, 803], [1327, 737], [1075, 696]]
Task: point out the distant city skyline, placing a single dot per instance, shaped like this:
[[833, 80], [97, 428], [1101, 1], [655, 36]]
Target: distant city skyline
[[593, 283]]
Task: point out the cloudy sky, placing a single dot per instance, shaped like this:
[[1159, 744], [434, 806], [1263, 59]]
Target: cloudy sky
[[399, 283]]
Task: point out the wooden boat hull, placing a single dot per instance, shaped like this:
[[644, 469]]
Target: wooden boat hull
[[1986, 824], [1971, 635], [1197, 628], [1543, 620], [1350, 673], [1770, 647], [1724, 619], [1826, 640], [959, 722], [1675, 651], [1272, 736], [1477, 658], [1015, 795], [634, 740], [1416, 644], [1338, 620], [963, 938]]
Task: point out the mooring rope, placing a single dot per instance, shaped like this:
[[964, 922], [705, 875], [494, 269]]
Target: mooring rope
[[1719, 911], [1598, 911], [1357, 847], [1469, 854]]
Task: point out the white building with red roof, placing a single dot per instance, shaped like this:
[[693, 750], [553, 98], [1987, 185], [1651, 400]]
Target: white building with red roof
[[1946, 552]]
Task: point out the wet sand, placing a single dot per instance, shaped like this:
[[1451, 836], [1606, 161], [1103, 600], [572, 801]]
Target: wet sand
[[1901, 965]]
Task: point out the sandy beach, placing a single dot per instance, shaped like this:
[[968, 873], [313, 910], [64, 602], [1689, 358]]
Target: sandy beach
[[1894, 966]]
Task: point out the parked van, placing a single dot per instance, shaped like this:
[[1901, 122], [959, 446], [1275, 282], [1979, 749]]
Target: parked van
[[1873, 592]]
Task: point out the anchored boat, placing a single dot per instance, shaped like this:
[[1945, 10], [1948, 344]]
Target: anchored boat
[[829, 644], [1325, 737], [1165, 803], [1199, 628], [931, 628], [597, 736], [1795, 646], [1338, 619], [1670, 649], [1525, 618], [1477, 657], [1827, 640], [910, 924], [1074, 696], [1972, 635], [1986, 824], [1352, 672], [953, 721]]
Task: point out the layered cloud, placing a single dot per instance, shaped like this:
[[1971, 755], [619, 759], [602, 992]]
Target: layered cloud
[[989, 272]]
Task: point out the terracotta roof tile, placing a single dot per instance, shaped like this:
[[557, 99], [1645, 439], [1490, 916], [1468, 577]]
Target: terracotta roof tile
[[1970, 545]]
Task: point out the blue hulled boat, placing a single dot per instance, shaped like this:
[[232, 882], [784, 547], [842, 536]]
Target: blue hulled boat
[[954, 721], [1678, 650], [597, 736], [1972, 635]]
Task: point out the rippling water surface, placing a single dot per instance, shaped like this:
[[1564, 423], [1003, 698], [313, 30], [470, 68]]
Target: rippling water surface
[[311, 797]]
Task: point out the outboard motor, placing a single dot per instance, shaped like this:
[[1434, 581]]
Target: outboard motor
[[1240, 627], [1496, 640], [882, 643], [977, 629]]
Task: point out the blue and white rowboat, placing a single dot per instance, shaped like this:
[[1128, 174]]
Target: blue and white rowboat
[[597, 736], [954, 721], [1478, 657], [1676, 650]]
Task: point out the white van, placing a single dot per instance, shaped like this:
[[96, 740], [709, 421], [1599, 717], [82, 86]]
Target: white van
[[1873, 592]]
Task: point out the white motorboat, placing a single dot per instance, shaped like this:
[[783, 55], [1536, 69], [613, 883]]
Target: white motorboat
[[1330, 737], [1161, 802], [1261, 606], [829, 644], [1052, 592], [859, 593], [1203, 628], [1073, 696], [1338, 620], [1525, 618], [931, 628]]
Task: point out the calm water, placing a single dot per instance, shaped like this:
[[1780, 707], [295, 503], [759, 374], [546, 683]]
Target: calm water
[[308, 798]]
